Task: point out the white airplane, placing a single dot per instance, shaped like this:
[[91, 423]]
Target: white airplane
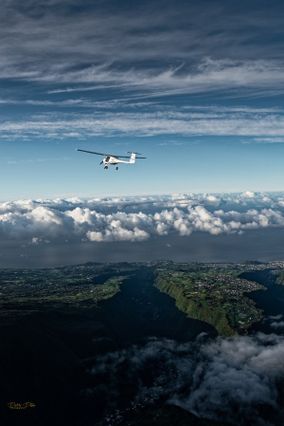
[[114, 160]]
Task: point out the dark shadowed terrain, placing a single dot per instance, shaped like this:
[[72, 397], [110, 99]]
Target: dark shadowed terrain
[[101, 345]]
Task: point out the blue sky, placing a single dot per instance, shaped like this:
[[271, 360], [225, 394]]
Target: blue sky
[[195, 86]]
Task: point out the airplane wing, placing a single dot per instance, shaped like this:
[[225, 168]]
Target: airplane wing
[[93, 152], [128, 157], [104, 154]]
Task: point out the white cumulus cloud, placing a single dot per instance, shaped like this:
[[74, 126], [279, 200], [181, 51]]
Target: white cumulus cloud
[[138, 218]]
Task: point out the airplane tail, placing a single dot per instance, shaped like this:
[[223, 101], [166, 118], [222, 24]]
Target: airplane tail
[[132, 157]]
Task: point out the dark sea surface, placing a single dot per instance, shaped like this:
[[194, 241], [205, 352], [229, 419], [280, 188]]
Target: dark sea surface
[[270, 301], [263, 245], [140, 311]]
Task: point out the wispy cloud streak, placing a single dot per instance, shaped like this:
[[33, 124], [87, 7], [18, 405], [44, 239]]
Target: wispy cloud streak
[[169, 122], [181, 50]]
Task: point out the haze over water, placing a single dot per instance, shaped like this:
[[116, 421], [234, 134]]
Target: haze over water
[[262, 245]]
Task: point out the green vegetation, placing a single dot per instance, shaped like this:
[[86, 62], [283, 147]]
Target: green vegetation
[[211, 293], [73, 294], [215, 295], [24, 291], [279, 277]]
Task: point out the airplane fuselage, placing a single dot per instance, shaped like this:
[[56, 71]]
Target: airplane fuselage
[[114, 161]]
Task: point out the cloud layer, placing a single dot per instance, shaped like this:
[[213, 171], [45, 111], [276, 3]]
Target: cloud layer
[[265, 125], [138, 218], [77, 70], [110, 44], [233, 380]]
